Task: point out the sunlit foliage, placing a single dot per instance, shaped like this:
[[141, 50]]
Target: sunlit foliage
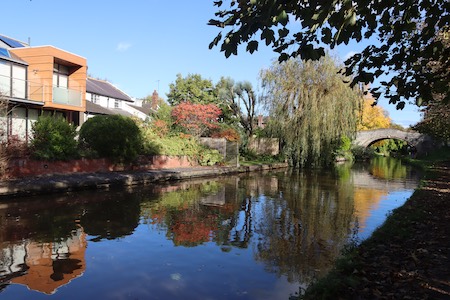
[[401, 37], [372, 117], [311, 108]]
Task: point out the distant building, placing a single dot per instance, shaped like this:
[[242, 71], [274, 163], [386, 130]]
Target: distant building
[[106, 99]]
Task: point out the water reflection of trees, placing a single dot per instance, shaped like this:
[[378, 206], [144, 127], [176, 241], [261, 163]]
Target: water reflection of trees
[[191, 215], [303, 225], [296, 222]]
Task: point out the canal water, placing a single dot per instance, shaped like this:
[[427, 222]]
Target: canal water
[[254, 236]]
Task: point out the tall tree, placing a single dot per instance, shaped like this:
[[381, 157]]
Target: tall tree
[[311, 108], [371, 116], [192, 88], [436, 121], [239, 100], [401, 36], [436, 113]]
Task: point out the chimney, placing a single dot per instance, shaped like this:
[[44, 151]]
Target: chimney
[[155, 100], [260, 121]]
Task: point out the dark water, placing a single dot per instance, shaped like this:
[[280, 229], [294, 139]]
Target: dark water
[[258, 236]]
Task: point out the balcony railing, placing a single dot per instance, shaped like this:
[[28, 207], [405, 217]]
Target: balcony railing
[[66, 96], [29, 90], [21, 89]]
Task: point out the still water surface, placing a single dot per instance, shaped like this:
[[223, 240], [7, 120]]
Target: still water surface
[[257, 236]]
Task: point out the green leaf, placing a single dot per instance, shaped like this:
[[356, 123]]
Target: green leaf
[[283, 18], [268, 35], [326, 35], [400, 105], [283, 32], [252, 46], [283, 57]]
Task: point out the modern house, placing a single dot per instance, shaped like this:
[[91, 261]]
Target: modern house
[[39, 80], [46, 80]]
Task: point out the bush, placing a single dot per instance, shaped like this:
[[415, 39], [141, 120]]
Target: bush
[[362, 153], [209, 157], [115, 137], [53, 139]]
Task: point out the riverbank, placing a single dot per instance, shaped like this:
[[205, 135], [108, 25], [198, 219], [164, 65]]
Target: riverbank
[[103, 180], [407, 257]]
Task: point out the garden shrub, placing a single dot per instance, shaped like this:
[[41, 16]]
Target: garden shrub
[[53, 138], [209, 157], [112, 136]]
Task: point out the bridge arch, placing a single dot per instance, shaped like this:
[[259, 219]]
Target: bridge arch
[[421, 142]]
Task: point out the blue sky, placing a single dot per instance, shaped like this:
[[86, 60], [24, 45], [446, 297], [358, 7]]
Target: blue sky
[[141, 45]]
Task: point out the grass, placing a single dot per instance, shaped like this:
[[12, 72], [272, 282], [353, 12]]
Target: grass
[[440, 155]]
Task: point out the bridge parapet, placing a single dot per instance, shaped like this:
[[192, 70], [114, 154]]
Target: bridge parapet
[[421, 142]]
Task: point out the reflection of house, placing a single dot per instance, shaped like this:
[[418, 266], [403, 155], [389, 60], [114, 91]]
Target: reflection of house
[[106, 99], [37, 80], [44, 267]]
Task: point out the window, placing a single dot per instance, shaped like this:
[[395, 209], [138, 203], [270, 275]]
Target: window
[[116, 103], [94, 98], [13, 79], [18, 81], [5, 78], [60, 76]]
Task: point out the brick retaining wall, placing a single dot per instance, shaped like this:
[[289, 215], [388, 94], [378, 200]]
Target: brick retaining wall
[[26, 167]]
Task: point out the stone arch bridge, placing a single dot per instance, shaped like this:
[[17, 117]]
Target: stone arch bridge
[[421, 142]]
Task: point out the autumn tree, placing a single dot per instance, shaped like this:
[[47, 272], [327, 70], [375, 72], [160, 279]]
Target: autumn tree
[[196, 119], [311, 108], [192, 88], [401, 37], [372, 116]]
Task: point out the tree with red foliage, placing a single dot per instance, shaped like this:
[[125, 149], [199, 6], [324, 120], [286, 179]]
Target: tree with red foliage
[[196, 119]]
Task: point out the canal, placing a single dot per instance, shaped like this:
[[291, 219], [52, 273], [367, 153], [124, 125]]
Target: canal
[[254, 236]]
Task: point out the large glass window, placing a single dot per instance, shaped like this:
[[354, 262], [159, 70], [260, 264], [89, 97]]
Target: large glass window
[[19, 81], [19, 123], [13, 80], [60, 76], [5, 78]]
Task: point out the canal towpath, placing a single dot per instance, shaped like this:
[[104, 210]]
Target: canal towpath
[[54, 183]]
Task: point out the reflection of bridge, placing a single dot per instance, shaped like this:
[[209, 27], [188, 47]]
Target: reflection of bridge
[[362, 179], [421, 142]]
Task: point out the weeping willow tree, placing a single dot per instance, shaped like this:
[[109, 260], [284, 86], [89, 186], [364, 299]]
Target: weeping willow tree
[[311, 108]]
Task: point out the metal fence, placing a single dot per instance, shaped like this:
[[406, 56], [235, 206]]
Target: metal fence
[[229, 150]]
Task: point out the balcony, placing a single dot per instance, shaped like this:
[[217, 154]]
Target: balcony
[[66, 96], [20, 89], [28, 91]]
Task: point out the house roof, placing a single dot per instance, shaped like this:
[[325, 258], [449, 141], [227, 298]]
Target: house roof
[[146, 108], [5, 54], [97, 109], [118, 111], [105, 88], [13, 43]]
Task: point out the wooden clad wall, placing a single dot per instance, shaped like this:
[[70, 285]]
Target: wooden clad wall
[[40, 70]]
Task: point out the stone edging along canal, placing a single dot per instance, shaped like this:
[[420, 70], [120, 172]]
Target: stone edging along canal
[[85, 181]]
